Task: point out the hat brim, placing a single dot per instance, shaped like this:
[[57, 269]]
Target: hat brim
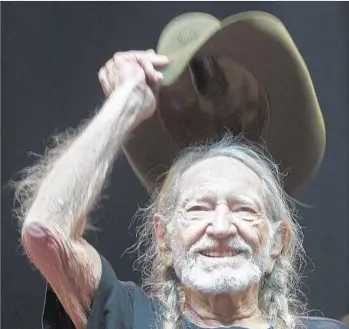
[[260, 42]]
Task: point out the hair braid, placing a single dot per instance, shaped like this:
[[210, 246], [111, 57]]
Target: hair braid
[[173, 315]]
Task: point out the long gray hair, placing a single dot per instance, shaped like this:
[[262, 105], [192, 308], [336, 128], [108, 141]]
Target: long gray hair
[[279, 295]]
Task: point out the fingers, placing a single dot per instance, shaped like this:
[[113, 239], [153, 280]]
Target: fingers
[[107, 77], [104, 80], [150, 63], [158, 61], [148, 60], [111, 72], [149, 70], [129, 64]]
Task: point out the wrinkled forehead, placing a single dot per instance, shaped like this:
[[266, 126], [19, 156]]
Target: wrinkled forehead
[[220, 175]]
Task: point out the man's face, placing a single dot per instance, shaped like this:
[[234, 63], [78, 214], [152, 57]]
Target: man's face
[[220, 234]]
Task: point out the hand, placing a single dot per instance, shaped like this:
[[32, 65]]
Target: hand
[[139, 67]]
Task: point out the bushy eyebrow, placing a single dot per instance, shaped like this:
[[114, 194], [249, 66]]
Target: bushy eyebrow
[[197, 196], [247, 200]]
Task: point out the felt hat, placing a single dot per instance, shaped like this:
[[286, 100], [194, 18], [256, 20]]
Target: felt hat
[[243, 74]]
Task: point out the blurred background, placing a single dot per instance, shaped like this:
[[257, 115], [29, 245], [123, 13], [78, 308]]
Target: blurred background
[[51, 53]]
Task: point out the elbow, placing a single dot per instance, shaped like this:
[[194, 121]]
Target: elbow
[[36, 231], [40, 241]]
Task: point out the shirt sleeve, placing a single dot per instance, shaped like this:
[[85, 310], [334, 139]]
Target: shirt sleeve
[[113, 305]]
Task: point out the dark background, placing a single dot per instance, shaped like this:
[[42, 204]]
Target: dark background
[[51, 53]]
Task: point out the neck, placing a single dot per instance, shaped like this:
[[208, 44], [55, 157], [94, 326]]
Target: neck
[[240, 309]]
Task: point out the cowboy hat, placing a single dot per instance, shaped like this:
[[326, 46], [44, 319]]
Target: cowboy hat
[[243, 74]]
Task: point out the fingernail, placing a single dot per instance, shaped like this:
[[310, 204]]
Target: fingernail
[[160, 75], [163, 58]]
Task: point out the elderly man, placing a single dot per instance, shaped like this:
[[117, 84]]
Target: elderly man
[[222, 246]]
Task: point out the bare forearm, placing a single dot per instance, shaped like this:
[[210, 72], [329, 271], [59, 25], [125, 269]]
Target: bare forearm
[[74, 183]]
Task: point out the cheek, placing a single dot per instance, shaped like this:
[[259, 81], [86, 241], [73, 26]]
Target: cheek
[[189, 233], [255, 234]]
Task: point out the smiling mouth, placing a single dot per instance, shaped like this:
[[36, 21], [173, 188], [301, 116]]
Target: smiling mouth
[[228, 253]]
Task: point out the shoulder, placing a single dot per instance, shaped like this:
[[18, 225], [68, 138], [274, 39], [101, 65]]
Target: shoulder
[[315, 322], [113, 291], [119, 304]]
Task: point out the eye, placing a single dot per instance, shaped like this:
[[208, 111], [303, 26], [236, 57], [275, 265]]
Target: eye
[[246, 213], [198, 208], [247, 209]]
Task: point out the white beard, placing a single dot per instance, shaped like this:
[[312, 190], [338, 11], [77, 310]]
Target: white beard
[[219, 275]]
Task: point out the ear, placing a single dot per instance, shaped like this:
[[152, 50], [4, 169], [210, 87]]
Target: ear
[[160, 230], [280, 241], [162, 240]]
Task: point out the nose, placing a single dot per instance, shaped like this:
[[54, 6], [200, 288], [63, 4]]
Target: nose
[[221, 226]]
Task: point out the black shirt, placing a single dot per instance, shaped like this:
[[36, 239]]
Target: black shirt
[[123, 305]]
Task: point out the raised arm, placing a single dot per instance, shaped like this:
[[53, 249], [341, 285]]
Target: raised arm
[[53, 227]]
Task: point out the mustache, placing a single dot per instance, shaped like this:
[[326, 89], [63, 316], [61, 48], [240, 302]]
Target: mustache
[[235, 243]]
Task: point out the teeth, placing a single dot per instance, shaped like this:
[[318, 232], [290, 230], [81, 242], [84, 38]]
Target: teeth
[[218, 254]]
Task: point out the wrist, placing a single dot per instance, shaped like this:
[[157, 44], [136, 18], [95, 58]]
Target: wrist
[[124, 106]]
